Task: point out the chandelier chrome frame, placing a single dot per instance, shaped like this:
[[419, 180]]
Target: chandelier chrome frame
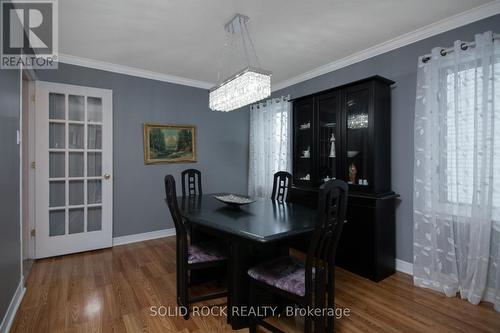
[[249, 84]]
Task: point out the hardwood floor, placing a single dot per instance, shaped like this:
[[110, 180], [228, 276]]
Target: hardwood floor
[[113, 290]]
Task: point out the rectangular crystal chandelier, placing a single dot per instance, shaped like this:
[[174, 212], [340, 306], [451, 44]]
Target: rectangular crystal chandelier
[[246, 87], [249, 85]]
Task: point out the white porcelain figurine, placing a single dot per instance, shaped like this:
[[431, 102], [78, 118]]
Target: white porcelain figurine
[[306, 153], [332, 147]]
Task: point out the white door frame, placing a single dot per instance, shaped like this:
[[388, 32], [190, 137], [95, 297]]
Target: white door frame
[[21, 136], [31, 152], [29, 136], [60, 245]]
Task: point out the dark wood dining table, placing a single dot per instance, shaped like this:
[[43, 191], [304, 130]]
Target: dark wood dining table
[[255, 232]]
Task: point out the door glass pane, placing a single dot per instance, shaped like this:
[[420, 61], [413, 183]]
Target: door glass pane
[[56, 222], [56, 165], [76, 192], [56, 135], [94, 164], [94, 137], [76, 164], [94, 191], [94, 219], [76, 107], [57, 192], [94, 109], [76, 133], [56, 106], [76, 220], [357, 137]]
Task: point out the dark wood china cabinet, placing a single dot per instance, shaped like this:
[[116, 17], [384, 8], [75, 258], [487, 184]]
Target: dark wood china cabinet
[[345, 133]]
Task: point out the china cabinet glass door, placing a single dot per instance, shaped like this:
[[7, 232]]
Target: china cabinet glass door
[[303, 123], [357, 136], [329, 137]]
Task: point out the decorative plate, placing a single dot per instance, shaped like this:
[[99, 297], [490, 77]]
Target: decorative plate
[[234, 199]]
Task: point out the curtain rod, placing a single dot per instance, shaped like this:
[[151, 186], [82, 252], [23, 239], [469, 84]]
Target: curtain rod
[[464, 46]]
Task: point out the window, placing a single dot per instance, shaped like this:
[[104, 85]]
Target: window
[[269, 145], [465, 138], [280, 138]]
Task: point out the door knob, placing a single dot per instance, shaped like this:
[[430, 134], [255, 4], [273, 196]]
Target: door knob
[[107, 176]]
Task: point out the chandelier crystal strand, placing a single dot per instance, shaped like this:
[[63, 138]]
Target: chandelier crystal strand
[[249, 85]]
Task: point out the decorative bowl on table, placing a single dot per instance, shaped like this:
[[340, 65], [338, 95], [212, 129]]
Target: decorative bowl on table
[[234, 200]]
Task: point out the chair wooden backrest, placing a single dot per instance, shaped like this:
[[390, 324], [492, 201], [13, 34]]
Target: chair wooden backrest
[[332, 206], [191, 178], [180, 229], [282, 184]]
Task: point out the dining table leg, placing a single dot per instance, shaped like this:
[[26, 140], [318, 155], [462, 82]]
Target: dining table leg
[[240, 261], [244, 255]]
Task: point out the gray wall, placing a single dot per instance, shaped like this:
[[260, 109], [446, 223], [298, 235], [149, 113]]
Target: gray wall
[[223, 138], [399, 65], [10, 244], [222, 143]]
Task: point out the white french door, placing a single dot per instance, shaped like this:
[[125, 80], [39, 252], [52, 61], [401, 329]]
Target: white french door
[[73, 167]]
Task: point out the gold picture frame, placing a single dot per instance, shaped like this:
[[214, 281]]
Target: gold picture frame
[[169, 143]]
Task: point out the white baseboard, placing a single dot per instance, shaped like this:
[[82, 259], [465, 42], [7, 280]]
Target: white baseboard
[[143, 237], [404, 267], [8, 319]]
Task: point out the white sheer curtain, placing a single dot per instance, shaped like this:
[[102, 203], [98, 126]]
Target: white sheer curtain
[[457, 171], [270, 144]]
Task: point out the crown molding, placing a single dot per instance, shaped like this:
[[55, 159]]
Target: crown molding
[[115, 68], [452, 22]]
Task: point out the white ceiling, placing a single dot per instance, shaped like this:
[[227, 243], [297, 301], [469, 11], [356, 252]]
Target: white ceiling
[[185, 37]]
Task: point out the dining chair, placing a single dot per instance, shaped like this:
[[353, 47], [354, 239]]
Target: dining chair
[[282, 185], [306, 285], [190, 257], [191, 178]]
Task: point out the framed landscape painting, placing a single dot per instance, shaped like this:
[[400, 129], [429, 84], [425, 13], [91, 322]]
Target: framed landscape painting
[[169, 143]]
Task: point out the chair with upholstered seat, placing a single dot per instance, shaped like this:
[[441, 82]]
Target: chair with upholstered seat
[[306, 284], [190, 257], [282, 185]]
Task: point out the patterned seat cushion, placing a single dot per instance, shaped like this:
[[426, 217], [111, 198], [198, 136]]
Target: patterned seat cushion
[[204, 252], [285, 273]]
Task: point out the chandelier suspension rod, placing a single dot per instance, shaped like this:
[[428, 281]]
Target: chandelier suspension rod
[[243, 27], [257, 61]]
